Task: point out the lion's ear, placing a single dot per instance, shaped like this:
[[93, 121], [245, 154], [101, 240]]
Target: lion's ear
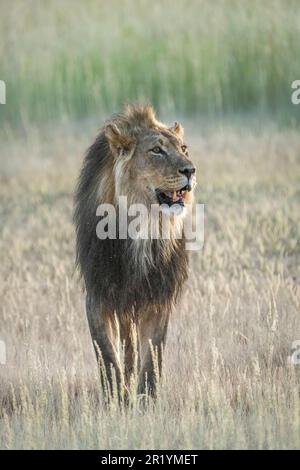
[[177, 129], [117, 140]]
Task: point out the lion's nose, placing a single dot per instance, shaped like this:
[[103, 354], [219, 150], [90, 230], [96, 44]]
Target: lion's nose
[[188, 171]]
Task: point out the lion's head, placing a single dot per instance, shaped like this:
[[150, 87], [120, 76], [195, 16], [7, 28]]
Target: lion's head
[[150, 161]]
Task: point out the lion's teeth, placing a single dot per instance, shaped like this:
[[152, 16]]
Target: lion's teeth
[[174, 196]]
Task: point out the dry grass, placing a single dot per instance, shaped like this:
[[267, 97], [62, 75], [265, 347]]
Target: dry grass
[[227, 380]]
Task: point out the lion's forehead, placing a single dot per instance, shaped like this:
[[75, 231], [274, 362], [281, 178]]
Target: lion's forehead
[[159, 136]]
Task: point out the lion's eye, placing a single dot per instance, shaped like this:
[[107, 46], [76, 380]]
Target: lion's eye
[[156, 149], [184, 148]]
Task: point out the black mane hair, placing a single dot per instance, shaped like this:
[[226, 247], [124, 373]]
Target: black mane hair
[[111, 274]]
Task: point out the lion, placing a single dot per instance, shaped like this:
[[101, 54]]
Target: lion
[[132, 284]]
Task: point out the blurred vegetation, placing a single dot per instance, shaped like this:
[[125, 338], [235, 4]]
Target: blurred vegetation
[[70, 59]]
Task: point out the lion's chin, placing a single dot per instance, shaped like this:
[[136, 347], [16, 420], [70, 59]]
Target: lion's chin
[[174, 209]]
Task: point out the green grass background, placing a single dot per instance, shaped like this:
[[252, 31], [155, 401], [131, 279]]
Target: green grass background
[[70, 59]]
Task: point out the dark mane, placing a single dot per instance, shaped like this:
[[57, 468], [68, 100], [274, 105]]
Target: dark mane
[[111, 275]]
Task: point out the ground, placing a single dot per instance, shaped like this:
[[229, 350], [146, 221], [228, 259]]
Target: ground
[[228, 380]]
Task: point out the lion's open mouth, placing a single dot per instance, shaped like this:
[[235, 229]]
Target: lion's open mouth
[[172, 197]]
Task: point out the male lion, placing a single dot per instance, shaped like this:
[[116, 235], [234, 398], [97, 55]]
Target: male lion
[[131, 284]]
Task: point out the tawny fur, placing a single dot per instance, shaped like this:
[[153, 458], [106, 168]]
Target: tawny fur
[[130, 284]]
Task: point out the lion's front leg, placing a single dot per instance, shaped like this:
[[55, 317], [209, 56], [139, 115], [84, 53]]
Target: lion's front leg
[[152, 336], [129, 338], [104, 328]]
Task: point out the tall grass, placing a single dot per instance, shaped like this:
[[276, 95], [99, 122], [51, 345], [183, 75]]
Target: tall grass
[[68, 59], [227, 380]]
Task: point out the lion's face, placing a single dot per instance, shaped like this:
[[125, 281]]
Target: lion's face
[[153, 166], [161, 165]]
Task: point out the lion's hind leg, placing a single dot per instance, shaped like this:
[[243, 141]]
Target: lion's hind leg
[[152, 335]]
